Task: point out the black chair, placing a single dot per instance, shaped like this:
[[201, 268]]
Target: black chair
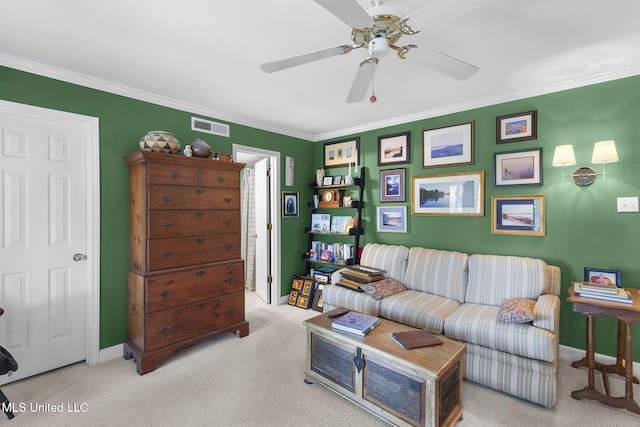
[[4, 401]]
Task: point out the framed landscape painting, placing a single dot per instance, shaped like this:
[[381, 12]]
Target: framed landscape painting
[[392, 183], [341, 153], [460, 193], [448, 145], [518, 215], [394, 149], [521, 167], [392, 219], [517, 127]]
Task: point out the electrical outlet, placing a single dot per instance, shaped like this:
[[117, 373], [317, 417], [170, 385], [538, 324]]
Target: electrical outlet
[[627, 204]]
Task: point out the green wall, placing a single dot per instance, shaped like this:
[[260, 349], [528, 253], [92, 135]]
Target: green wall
[[582, 225], [123, 121]]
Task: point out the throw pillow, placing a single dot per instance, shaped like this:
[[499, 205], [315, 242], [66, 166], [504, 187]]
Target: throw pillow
[[383, 288], [517, 310]]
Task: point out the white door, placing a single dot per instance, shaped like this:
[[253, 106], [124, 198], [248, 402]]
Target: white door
[[43, 227], [263, 287]]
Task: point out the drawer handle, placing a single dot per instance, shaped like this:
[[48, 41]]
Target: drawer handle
[[165, 293], [174, 175], [199, 214], [201, 305], [199, 240], [199, 191], [165, 199], [201, 273], [228, 222], [227, 247], [221, 179], [165, 225], [230, 280], [228, 199], [165, 330], [166, 255], [231, 310]]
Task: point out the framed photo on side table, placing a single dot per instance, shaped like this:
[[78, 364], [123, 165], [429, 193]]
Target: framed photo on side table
[[448, 145], [601, 275], [394, 149], [522, 215]]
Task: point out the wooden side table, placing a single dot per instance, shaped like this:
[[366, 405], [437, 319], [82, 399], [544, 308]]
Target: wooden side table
[[627, 314]]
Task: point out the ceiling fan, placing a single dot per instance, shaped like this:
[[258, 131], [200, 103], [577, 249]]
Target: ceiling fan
[[380, 29]]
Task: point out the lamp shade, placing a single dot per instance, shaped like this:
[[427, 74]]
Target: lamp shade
[[563, 156], [604, 152]]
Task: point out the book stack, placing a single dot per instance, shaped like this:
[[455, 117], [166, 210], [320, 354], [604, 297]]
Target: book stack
[[355, 323], [602, 291], [355, 275]]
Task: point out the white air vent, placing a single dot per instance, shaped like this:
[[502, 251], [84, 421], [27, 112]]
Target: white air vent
[[208, 126]]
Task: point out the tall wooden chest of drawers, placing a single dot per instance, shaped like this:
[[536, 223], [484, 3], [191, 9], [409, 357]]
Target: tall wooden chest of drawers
[[185, 281]]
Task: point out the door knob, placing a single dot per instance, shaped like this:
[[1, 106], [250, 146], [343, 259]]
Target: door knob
[[79, 257]]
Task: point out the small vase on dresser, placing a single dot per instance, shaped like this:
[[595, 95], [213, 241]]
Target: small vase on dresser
[[185, 281]]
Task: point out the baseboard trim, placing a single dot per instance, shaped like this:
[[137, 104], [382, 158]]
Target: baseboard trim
[[572, 353], [110, 353]]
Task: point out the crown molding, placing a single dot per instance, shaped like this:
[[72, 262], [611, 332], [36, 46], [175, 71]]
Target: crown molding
[[114, 88]]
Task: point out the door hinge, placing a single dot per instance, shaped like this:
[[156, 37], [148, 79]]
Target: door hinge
[[269, 172], [270, 226], [269, 279]]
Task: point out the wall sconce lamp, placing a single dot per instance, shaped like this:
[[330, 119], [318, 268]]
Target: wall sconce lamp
[[603, 152]]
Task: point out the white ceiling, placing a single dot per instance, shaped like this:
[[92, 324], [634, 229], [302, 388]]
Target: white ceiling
[[203, 56]]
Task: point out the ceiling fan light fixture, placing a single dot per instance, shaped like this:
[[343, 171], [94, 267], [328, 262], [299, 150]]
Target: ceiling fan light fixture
[[378, 47]]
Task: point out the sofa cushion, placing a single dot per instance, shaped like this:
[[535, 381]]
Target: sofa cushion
[[442, 273], [390, 258], [418, 309], [517, 310], [359, 301], [493, 278], [383, 288], [478, 324]]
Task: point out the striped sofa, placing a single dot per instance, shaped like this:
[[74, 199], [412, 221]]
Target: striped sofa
[[459, 296]]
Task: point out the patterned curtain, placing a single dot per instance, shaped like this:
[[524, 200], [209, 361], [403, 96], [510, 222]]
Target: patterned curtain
[[248, 230]]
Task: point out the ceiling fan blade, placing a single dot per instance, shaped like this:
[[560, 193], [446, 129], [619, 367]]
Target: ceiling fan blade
[[444, 64], [348, 11], [441, 11], [294, 61], [362, 80]]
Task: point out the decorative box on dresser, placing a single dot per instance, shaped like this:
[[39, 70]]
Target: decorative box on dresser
[[185, 281]]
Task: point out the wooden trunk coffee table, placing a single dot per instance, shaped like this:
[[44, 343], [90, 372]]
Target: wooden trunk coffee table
[[420, 387]]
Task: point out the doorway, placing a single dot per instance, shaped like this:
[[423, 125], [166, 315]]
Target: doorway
[[267, 211], [50, 241]]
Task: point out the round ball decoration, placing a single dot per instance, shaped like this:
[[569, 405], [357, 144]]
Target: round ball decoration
[[160, 142]]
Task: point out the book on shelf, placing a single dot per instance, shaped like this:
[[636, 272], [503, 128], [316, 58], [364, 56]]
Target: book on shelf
[[320, 223], [339, 224], [621, 295], [355, 323], [415, 339]]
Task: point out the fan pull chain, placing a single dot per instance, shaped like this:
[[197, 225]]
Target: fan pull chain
[[373, 98]]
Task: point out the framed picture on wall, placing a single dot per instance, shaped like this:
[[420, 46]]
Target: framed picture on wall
[[460, 193], [392, 183], [522, 215], [341, 153], [289, 204], [521, 167], [448, 145], [517, 127], [392, 219], [394, 149]]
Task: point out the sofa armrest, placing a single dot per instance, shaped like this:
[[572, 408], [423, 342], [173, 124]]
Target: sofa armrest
[[547, 312]]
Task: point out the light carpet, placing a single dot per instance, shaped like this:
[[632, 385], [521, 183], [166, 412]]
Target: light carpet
[[258, 381]]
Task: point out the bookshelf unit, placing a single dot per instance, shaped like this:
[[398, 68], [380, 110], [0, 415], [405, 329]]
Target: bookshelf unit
[[332, 204]]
